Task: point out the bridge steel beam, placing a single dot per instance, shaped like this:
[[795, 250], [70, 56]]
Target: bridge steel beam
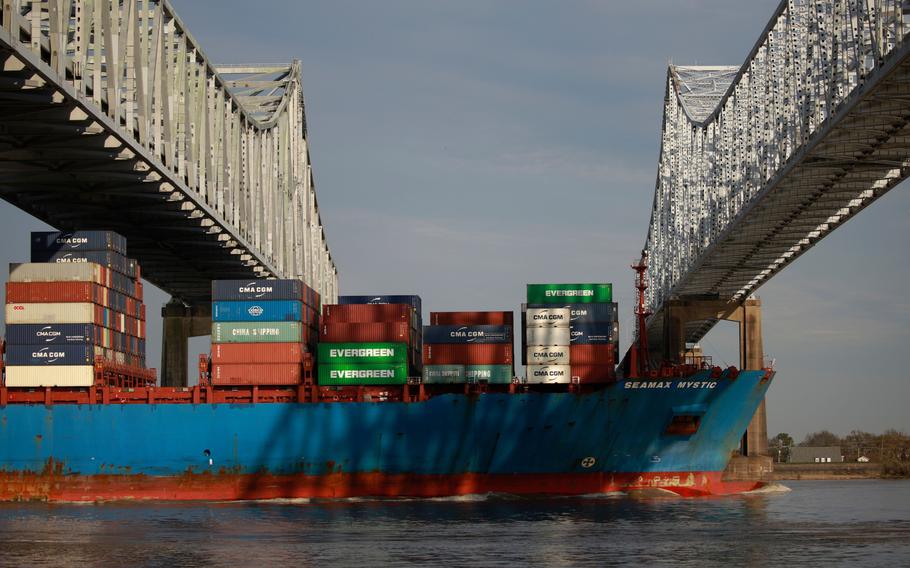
[[760, 162], [112, 116]]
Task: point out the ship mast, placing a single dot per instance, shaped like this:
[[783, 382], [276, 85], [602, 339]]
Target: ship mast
[[640, 366]]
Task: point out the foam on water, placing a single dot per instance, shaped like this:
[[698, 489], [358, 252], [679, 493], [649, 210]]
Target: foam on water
[[769, 489]]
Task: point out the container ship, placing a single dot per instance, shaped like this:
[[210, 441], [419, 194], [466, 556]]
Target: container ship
[[305, 399]]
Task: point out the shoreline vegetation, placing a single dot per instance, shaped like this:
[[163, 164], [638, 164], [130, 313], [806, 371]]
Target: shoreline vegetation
[[865, 455]]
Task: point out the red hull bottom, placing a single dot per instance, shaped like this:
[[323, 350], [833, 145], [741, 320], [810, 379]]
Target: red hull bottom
[[231, 487]]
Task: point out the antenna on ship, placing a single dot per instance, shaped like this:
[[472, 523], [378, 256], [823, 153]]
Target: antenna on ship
[[639, 363]]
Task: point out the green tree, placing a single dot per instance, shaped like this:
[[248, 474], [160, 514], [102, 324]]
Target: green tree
[[821, 438], [780, 445]]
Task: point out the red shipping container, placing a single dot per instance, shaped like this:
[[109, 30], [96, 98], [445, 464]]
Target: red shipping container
[[594, 354], [257, 353], [30, 292], [367, 313], [257, 374], [365, 332], [471, 318], [586, 374], [468, 354]]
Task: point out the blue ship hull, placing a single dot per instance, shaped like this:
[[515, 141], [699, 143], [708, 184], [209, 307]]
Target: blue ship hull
[[563, 443]]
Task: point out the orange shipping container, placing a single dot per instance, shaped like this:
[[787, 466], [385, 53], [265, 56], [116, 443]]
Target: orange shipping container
[[467, 354], [593, 354], [471, 318], [257, 353], [367, 313], [257, 374], [365, 332]]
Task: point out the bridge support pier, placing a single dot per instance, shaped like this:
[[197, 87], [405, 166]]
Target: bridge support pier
[[180, 323], [751, 352]]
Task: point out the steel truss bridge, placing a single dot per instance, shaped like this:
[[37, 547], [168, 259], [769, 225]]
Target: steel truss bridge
[[112, 116], [760, 162]]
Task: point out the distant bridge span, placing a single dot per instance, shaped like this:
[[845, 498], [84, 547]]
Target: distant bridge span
[[760, 162], [112, 116]]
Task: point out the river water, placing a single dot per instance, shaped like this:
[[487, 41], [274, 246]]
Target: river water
[[824, 523]]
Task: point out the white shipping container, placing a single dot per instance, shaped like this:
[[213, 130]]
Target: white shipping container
[[53, 312], [549, 374], [46, 272], [553, 317], [548, 355], [548, 335], [50, 376]]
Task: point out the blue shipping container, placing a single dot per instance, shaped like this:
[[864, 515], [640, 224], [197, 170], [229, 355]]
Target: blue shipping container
[[52, 334], [67, 354], [435, 334], [271, 310], [257, 289], [66, 241], [585, 313], [590, 333]]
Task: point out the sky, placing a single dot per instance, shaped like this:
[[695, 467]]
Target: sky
[[463, 149]]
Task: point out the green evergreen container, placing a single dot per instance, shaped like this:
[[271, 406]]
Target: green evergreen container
[[361, 353], [257, 332], [492, 374], [373, 374], [570, 293], [443, 374]]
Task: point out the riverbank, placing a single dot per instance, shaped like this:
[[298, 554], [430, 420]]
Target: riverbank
[[828, 471]]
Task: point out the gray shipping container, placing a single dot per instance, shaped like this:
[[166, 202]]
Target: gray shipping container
[[554, 317]]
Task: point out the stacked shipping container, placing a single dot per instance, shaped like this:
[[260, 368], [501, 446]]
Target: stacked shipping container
[[468, 347], [369, 340], [591, 333], [263, 331], [80, 299]]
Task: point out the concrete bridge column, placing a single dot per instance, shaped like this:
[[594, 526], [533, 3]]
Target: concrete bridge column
[[751, 353], [180, 323], [752, 357]]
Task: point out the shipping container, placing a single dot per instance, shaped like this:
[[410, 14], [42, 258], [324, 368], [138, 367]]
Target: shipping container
[[257, 310], [443, 374], [252, 289], [604, 332], [467, 334], [548, 355], [467, 354], [257, 374], [593, 354], [471, 318], [43, 272], [65, 354], [411, 300], [552, 317], [547, 335], [369, 313], [399, 332], [258, 353], [373, 374], [570, 293], [67, 291], [56, 376], [549, 374], [362, 353], [258, 332], [55, 334], [57, 241], [584, 313], [48, 313], [112, 260], [491, 374], [588, 374]]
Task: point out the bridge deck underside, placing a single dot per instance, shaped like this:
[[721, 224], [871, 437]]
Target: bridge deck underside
[[854, 158], [66, 167]]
